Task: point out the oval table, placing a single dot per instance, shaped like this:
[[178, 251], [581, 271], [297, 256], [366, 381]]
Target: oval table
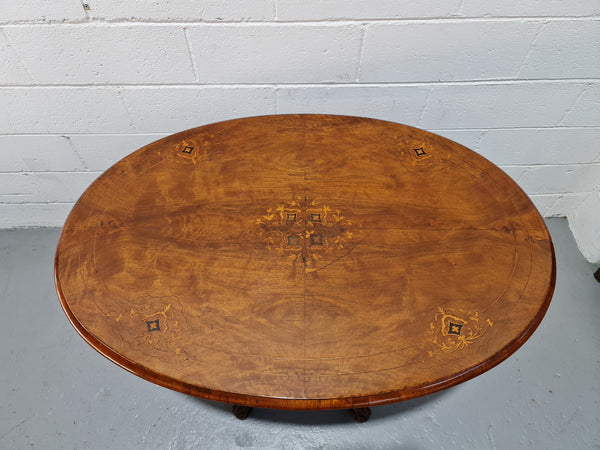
[[305, 262]]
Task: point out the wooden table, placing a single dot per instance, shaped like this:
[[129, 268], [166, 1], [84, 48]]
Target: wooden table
[[305, 262]]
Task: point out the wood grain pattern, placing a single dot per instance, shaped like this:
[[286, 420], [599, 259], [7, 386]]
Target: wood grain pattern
[[305, 262]]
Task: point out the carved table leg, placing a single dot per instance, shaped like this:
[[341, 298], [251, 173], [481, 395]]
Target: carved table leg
[[241, 412], [360, 415]]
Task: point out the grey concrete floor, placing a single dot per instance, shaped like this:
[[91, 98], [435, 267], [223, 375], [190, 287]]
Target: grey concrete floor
[[58, 393]]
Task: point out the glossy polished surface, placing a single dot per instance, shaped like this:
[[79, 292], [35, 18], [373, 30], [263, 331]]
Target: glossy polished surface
[[305, 262]]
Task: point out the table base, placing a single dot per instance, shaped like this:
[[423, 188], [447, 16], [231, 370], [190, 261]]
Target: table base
[[360, 415]]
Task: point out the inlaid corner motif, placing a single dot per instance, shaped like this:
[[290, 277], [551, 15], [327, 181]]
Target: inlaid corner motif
[[453, 330], [307, 234], [418, 154], [157, 322], [192, 152], [421, 155]]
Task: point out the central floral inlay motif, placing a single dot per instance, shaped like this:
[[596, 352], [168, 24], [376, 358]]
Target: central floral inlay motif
[[306, 233]]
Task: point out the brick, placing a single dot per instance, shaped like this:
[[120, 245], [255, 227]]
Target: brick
[[99, 54], [547, 146], [168, 110], [586, 110], [398, 104], [546, 179], [522, 104], [448, 106], [480, 51], [100, 151], [557, 205], [468, 138], [531, 146], [183, 10], [558, 51], [44, 187], [34, 214], [275, 54], [45, 11], [390, 9], [38, 153], [532, 8], [358, 9], [62, 110], [14, 71]]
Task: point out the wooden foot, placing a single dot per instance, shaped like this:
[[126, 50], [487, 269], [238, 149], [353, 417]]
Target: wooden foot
[[597, 275], [361, 415], [241, 412]]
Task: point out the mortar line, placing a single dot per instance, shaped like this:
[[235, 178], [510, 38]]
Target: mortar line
[[207, 85], [85, 10], [50, 172], [458, 11], [425, 105], [271, 22], [531, 49], [572, 108], [12, 46], [125, 133], [74, 150], [583, 164], [434, 130], [562, 194], [190, 53], [124, 103], [480, 139], [361, 51]]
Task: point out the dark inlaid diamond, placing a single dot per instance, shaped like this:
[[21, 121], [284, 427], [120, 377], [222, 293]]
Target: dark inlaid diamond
[[454, 328], [153, 325], [420, 152], [188, 150]]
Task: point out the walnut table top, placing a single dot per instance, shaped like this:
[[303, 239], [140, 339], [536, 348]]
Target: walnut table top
[[305, 262]]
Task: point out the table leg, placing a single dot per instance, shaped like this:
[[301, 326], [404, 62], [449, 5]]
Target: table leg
[[360, 415], [597, 275], [241, 412]]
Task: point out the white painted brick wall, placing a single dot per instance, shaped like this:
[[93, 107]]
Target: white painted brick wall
[[518, 82], [171, 109], [481, 50], [44, 187], [108, 54], [449, 106], [97, 152], [275, 53], [38, 153], [13, 70], [58, 110]]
